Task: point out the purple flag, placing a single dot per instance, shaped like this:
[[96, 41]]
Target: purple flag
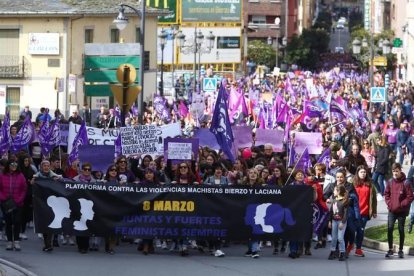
[[5, 134], [320, 216], [118, 146], [220, 124], [292, 155], [24, 136], [80, 140], [183, 109], [49, 136], [325, 157], [206, 138], [161, 109], [304, 162]]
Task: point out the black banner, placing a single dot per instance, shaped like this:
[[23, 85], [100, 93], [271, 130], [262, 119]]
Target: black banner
[[202, 211]]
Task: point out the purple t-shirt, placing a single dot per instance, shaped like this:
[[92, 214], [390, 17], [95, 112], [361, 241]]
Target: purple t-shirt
[[392, 135]]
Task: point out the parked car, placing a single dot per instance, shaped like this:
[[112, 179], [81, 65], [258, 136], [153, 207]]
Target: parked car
[[339, 50], [342, 20], [339, 26]]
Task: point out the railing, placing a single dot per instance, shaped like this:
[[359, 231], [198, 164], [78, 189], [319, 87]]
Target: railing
[[13, 67]]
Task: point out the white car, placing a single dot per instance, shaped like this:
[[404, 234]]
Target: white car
[[339, 26], [339, 50], [342, 20]]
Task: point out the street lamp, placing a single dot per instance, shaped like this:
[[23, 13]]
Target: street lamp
[[277, 23], [121, 22], [356, 46], [195, 48], [386, 47], [162, 36]]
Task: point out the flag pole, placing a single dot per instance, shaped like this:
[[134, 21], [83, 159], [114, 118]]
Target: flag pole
[[290, 175]]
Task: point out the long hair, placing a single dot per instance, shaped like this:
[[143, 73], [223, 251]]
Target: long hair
[[189, 175], [360, 182]]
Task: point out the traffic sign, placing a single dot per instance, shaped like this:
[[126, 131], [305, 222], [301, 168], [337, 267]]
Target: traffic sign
[[386, 81], [209, 84], [380, 61], [377, 95]]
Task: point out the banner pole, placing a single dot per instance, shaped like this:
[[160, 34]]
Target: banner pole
[[290, 175]]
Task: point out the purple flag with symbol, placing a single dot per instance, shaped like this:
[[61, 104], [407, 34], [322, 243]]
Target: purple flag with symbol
[[5, 134], [325, 157], [23, 137], [49, 136], [304, 161], [81, 139], [220, 124]]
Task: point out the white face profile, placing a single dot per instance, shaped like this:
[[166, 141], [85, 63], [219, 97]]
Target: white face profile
[[87, 213], [260, 216], [61, 210]]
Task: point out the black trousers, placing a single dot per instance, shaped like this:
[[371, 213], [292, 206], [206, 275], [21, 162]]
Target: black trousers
[[82, 242], [392, 217], [13, 224]]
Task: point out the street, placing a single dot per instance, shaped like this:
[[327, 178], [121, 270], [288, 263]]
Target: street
[[340, 38]]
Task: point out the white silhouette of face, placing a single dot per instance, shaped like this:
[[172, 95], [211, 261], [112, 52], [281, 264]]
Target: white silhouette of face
[[61, 210], [260, 216], [86, 209]]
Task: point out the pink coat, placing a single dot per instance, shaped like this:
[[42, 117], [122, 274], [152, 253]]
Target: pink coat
[[18, 187]]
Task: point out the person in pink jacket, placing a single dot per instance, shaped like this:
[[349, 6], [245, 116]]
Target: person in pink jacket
[[13, 184]]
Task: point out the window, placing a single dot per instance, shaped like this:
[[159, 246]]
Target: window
[[138, 35], [88, 35], [9, 42], [13, 102], [258, 19], [114, 36]]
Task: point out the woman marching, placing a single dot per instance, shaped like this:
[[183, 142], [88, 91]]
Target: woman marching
[[367, 195]]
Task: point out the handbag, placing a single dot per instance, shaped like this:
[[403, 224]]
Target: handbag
[[9, 205]]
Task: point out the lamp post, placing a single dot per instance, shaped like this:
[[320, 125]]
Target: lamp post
[[277, 23], [195, 48], [121, 22], [162, 36]]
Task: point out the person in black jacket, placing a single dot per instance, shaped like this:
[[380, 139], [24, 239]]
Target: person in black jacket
[[381, 163]]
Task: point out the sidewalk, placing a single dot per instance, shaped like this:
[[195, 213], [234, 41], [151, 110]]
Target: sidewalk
[[382, 218], [10, 269]]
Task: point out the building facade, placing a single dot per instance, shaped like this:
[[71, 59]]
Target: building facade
[[42, 51]]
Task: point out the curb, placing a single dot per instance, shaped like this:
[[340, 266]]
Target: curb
[[16, 267], [383, 246]]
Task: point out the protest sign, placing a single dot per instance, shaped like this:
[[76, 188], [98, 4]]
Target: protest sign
[[98, 155], [64, 134], [206, 138], [310, 140], [96, 136], [242, 136], [173, 211], [180, 148], [147, 139], [272, 136]]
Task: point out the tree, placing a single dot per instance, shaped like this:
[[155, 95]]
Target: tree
[[304, 50], [261, 53]]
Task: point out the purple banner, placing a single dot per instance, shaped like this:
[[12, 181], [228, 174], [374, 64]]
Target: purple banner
[[310, 140], [99, 156], [320, 216], [206, 138], [272, 136], [242, 136]]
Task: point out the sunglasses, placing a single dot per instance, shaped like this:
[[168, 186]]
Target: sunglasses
[[122, 161], [87, 169], [113, 170], [183, 167]]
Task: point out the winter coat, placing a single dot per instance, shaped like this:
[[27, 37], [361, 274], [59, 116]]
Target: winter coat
[[14, 184], [382, 158], [398, 195]]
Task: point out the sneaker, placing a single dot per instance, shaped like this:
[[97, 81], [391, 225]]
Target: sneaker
[[17, 246], [158, 243], [255, 255], [248, 253], [315, 238], [9, 246], [349, 248], [173, 246], [359, 253], [219, 253], [40, 236], [194, 244], [23, 236], [410, 228], [283, 250], [389, 254], [293, 255], [329, 238], [64, 241], [275, 251], [341, 257], [268, 244], [332, 255], [137, 241], [164, 245], [400, 254], [379, 197], [71, 241]]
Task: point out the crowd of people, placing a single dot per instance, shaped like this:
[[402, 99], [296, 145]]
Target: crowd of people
[[364, 167]]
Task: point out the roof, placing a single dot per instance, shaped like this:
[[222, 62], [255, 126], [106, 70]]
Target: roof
[[70, 7]]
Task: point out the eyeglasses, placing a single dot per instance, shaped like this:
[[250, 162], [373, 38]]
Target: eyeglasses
[[13, 164], [87, 169]]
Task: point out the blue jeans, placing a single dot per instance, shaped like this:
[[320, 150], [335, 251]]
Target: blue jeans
[[360, 232], [378, 179], [338, 236], [253, 246], [412, 213], [400, 155]]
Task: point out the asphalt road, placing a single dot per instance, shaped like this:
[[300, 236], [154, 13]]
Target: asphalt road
[[339, 38], [65, 260]]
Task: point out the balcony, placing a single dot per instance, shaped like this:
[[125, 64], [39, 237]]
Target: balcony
[[13, 67]]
